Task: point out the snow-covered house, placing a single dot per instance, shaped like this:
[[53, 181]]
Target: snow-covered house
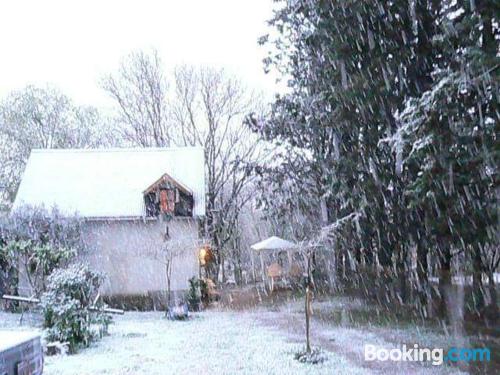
[[135, 202]]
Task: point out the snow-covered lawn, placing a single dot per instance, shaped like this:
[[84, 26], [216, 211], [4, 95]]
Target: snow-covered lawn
[[210, 343], [256, 341], [348, 341]]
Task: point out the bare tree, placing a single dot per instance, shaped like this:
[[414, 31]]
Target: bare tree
[[203, 107], [208, 111], [167, 254], [37, 117], [140, 90], [166, 257]]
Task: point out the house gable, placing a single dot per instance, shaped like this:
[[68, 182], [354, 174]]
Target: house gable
[[166, 196]]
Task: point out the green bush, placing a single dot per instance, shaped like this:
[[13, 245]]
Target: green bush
[[205, 298], [68, 307], [9, 274], [193, 295]]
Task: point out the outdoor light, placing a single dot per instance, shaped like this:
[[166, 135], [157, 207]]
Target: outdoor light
[[202, 256]]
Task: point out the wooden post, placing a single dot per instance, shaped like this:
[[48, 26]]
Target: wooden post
[[309, 297], [308, 318]]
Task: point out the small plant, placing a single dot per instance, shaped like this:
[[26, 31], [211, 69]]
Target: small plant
[[70, 314], [179, 312], [314, 356], [193, 294], [204, 296]]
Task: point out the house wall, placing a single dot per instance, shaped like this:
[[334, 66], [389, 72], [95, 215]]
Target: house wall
[[131, 255]]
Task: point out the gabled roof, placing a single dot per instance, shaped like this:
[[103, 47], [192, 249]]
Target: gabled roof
[[168, 179], [108, 183]]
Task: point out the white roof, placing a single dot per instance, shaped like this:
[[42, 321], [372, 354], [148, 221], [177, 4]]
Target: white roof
[[11, 339], [273, 243], [108, 182]]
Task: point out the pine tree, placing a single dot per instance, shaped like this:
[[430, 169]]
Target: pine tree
[[397, 104], [452, 128]]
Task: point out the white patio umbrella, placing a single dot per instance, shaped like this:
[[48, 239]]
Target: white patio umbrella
[[274, 243], [271, 244]]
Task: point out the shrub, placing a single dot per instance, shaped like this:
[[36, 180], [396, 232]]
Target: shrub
[[9, 275], [39, 260], [38, 241], [315, 356], [193, 294], [204, 295], [68, 307]]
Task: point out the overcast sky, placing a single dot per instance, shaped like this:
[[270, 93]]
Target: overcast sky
[[73, 43]]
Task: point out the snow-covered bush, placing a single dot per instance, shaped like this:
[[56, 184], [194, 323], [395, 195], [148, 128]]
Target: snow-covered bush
[[36, 241], [70, 314], [44, 226]]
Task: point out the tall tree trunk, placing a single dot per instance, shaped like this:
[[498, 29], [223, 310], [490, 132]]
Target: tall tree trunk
[[386, 280], [423, 286], [212, 233], [308, 299], [477, 280], [445, 285], [401, 270], [168, 274], [308, 319], [493, 294], [330, 255]]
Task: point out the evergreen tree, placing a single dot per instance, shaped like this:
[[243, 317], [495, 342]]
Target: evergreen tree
[[397, 105], [451, 129]]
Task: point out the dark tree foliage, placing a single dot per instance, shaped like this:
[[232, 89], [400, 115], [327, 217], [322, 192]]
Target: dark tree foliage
[[395, 104]]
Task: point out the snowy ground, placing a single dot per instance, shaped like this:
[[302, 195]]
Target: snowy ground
[[256, 341], [210, 343], [347, 340]]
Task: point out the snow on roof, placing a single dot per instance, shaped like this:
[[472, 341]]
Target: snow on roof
[[11, 339], [273, 243], [107, 183]]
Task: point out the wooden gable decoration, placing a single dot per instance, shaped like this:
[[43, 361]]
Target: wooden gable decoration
[[168, 196]]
